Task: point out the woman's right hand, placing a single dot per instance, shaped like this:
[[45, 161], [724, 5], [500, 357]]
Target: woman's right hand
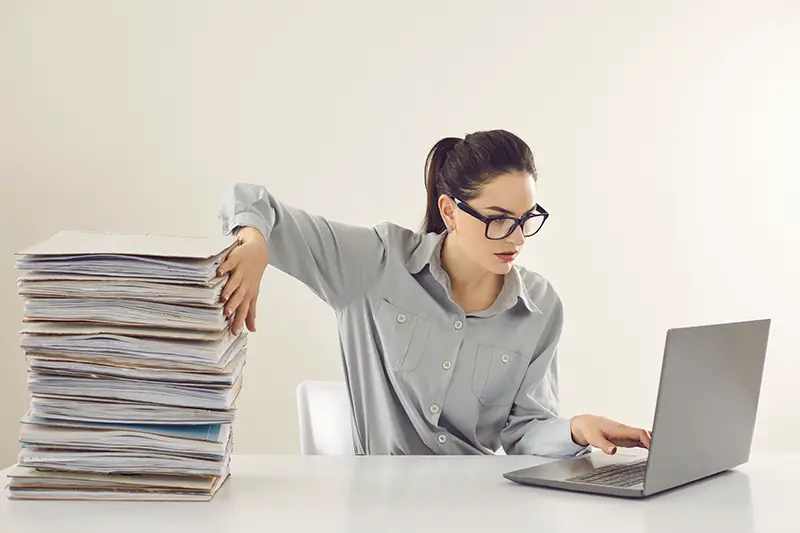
[[246, 264]]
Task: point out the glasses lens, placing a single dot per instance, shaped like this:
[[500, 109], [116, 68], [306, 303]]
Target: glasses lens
[[499, 228], [532, 225]]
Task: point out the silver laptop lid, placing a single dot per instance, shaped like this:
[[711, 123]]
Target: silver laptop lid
[[707, 401]]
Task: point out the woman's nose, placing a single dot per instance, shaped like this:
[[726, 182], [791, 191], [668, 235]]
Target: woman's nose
[[517, 237]]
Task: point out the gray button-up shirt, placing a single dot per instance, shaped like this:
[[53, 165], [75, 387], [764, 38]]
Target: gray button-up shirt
[[423, 376]]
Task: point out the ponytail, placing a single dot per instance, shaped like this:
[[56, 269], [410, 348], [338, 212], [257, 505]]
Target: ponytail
[[461, 167], [435, 184]]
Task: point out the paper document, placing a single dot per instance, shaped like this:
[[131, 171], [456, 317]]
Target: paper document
[[116, 462], [23, 475], [135, 391], [204, 441], [67, 328], [197, 433], [124, 312], [77, 367], [94, 410], [110, 348], [123, 255], [41, 286], [70, 242], [25, 483]]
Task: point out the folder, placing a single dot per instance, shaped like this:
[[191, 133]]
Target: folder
[[131, 349], [65, 328], [153, 392], [119, 462], [203, 441], [36, 285], [148, 256], [100, 410], [25, 483], [74, 366]]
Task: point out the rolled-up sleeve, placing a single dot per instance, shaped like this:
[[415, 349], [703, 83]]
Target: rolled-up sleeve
[[336, 261], [534, 425]]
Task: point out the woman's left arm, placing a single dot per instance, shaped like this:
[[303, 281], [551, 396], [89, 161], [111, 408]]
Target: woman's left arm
[[535, 427]]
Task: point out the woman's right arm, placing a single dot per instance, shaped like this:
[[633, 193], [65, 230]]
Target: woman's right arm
[[337, 261]]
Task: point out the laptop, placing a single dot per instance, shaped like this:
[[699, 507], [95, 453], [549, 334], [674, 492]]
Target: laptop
[[703, 425]]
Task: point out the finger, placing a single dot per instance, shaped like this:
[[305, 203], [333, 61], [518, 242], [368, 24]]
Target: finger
[[635, 437], [626, 443], [629, 437], [250, 320], [227, 265], [646, 438], [235, 301], [241, 312], [231, 285], [599, 440]]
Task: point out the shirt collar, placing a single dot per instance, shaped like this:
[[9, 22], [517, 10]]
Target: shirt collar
[[428, 253], [422, 255]]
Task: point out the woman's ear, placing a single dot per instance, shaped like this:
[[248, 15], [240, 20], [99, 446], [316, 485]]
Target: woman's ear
[[447, 208]]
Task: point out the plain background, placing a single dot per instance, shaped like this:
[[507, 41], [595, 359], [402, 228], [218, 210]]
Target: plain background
[[664, 132]]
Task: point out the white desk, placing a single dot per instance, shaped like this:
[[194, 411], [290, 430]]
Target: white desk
[[274, 494]]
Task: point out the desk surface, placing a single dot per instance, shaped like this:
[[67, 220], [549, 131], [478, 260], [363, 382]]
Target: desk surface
[[388, 494]]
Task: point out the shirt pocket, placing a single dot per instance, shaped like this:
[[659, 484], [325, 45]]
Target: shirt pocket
[[497, 375], [403, 335]]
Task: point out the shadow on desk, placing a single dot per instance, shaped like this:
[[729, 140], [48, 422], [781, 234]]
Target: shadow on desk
[[720, 503]]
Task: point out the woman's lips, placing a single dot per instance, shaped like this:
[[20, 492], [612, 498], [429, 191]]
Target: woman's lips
[[506, 257]]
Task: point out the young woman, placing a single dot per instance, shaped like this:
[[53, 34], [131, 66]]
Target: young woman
[[448, 346]]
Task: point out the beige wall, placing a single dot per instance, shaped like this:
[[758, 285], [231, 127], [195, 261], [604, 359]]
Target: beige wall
[[664, 133]]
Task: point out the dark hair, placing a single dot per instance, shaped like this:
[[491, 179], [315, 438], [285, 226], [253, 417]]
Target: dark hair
[[461, 167]]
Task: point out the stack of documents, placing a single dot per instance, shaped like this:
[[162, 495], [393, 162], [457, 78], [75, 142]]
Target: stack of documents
[[133, 369]]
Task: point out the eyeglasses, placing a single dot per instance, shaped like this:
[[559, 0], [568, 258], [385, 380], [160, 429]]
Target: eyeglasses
[[501, 226]]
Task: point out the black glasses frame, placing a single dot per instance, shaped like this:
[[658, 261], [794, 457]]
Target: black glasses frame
[[539, 211]]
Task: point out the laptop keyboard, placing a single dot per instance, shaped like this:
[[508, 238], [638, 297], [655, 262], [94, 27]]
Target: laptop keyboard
[[617, 475]]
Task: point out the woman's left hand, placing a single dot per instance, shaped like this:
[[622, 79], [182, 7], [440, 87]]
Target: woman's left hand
[[607, 434]]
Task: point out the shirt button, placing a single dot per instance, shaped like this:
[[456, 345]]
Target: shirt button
[[442, 439], [504, 358], [458, 324], [401, 318], [447, 365], [434, 408]]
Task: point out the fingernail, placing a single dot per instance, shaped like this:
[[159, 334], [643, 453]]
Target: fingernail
[[612, 450]]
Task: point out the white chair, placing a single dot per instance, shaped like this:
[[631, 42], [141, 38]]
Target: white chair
[[323, 409]]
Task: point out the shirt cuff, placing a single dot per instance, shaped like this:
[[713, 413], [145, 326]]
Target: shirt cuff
[[240, 220], [551, 438], [571, 447]]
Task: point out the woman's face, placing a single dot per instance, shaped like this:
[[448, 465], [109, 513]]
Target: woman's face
[[512, 194]]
